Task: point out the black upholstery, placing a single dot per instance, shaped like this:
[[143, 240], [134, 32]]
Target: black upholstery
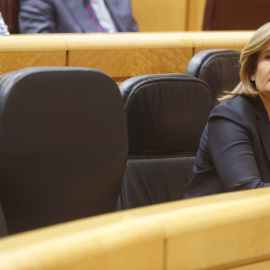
[[166, 115], [63, 145], [235, 14], [219, 68]]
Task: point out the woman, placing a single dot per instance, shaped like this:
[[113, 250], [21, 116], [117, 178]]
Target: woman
[[234, 152]]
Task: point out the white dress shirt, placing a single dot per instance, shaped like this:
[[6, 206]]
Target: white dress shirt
[[103, 15]]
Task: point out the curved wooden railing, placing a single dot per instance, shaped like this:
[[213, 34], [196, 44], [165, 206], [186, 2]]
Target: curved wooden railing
[[228, 231], [121, 56]]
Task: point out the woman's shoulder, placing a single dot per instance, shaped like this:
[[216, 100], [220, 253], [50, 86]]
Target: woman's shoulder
[[237, 108], [237, 101]]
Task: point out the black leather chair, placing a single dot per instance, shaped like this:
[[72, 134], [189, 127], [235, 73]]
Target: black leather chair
[[166, 115], [219, 68], [235, 14], [63, 145]]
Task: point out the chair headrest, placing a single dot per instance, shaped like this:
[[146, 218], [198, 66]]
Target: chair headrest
[[166, 113]]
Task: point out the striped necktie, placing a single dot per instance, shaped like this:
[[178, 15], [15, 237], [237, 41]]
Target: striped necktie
[[93, 18]]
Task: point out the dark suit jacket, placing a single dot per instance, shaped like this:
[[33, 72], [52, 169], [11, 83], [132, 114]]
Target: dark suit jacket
[[68, 16], [234, 152]]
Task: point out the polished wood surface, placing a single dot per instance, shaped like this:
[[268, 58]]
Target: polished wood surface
[[169, 15], [121, 55], [126, 55], [228, 231], [32, 43], [11, 61], [160, 15], [19, 51], [219, 39], [195, 15]]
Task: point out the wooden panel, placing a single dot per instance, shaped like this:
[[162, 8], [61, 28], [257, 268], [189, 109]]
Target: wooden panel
[[11, 61], [123, 64], [256, 266], [108, 242], [32, 43], [195, 15], [160, 15], [121, 55], [127, 41], [220, 40], [221, 235], [125, 56], [18, 52], [213, 232]]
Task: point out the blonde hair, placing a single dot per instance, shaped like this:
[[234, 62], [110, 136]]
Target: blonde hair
[[248, 62]]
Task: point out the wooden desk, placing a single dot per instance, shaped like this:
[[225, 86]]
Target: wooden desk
[[127, 55], [20, 51], [228, 231], [121, 55]]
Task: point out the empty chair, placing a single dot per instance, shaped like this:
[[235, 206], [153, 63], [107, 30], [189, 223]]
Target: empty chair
[[219, 68], [166, 115], [10, 12], [235, 14], [63, 145]]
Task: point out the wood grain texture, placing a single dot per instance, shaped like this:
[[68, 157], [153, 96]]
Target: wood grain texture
[[195, 15], [125, 56], [227, 231], [121, 55], [255, 266], [11, 61], [20, 51], [122, 64], [127, 41], [219, 40], [32, 43], [160, 15], [125, 244]]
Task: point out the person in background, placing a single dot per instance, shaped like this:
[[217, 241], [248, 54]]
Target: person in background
[[234, 151], [76, 16], [3, 26]]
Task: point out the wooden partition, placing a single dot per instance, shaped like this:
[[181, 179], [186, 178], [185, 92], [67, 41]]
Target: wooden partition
[[228, 231], [18, 52], [127, 55], [219, 39], [160, 15], [195, 15], [169, 15], [121, 55]]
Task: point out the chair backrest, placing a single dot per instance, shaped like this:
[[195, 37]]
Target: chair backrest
[[10, 12], [166, 115], [219, 68], [63, 145], [235, 14]]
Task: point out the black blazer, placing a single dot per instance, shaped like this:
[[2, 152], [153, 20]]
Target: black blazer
[[234, 151]]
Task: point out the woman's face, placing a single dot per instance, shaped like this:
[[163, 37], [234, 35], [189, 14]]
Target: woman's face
[[262, 72]]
